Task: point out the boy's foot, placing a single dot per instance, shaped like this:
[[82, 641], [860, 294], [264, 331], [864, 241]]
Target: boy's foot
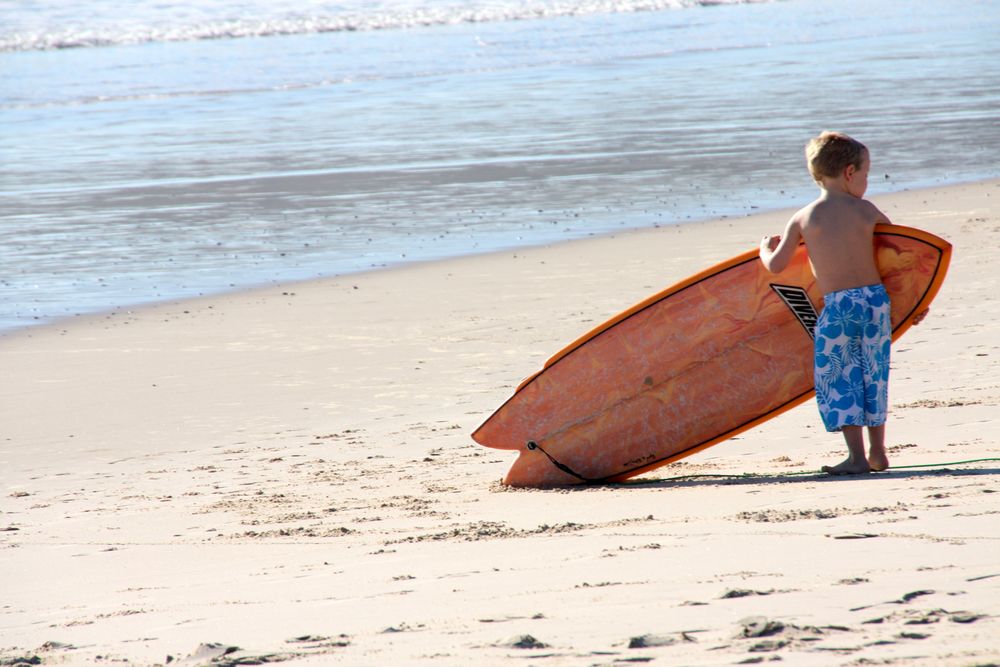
[[848, 467], [878, 461]]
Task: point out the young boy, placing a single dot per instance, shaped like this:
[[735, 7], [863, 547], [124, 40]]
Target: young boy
[[854, 330]]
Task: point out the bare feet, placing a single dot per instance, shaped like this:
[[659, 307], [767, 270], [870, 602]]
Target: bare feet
[[877, 460], [848, 467]]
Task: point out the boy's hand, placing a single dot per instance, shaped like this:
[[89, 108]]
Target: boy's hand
[[921, 315], [776, 252], [769, 243]]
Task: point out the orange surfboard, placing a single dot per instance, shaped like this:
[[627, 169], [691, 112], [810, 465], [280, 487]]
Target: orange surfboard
[[689, 367]]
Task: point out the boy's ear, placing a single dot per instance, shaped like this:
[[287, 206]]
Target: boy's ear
[[849, 171]]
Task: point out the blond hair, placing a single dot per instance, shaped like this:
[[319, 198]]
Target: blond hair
[[831, 152]]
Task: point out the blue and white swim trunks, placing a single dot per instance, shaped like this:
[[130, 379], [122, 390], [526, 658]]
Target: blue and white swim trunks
[[853, 334]]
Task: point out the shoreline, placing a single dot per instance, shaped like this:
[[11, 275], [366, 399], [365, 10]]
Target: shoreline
[[402, 266], [288, 470]]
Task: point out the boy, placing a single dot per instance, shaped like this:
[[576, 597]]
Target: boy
[[854, 330]]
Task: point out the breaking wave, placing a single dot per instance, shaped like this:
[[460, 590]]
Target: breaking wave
[[161, 24]]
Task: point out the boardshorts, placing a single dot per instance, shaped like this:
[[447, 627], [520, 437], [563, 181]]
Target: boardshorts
[[851, 372]]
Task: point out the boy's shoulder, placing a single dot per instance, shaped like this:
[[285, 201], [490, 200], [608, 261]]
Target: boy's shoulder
[[808, 212], [871, 212], [840, 207]]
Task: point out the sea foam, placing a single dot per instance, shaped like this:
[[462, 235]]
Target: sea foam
[[225, 19]]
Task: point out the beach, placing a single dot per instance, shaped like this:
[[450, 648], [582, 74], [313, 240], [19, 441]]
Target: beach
[[285, 474], [264, 269]]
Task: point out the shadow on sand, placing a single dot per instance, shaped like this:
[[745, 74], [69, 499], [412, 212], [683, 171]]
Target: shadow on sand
[[696, 480]]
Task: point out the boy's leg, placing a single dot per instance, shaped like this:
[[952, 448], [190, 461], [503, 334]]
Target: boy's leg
[[877, 349], [856, 462], [877, 457]]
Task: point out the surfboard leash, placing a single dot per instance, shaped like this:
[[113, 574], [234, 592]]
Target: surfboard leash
[[532, 446]]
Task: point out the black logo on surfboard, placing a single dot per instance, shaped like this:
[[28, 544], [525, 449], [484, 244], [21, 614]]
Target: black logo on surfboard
[[798, 302]]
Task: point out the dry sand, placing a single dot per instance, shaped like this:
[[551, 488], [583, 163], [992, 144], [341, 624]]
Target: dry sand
[[289, 471]]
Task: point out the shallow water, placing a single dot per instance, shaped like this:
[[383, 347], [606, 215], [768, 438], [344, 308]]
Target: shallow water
[[144, 171]]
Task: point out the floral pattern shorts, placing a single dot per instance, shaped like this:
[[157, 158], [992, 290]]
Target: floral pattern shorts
[[853, 334]]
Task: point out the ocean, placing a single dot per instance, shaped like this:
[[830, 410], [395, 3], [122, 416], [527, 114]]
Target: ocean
[[173, 149]]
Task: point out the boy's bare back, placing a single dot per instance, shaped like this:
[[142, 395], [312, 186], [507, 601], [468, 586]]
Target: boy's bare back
[[838, 230]]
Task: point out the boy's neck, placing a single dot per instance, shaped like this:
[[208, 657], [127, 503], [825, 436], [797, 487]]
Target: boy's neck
[[835, 187]]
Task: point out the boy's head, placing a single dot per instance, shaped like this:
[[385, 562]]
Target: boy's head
[[829, 154]]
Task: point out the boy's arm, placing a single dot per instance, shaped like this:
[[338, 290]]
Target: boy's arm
[[776, 251]]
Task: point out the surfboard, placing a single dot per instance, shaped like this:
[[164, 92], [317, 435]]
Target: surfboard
[[690, 367]]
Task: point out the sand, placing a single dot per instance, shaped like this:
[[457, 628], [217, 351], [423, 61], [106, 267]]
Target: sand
[[286, 474]]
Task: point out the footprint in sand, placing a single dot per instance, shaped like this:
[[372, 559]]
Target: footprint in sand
[[522, 642]]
